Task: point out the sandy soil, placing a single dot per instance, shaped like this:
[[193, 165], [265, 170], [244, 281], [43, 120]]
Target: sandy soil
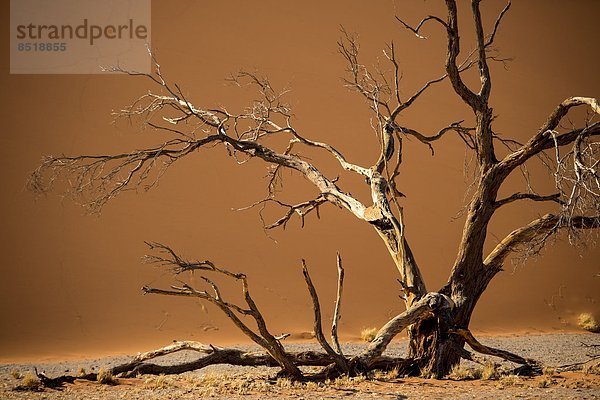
[[237, 382]]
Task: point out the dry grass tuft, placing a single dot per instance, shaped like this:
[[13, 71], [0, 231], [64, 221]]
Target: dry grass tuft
[[368, 334], [223, 384], [159, 382], [592, 368], [586, 321], [346, 381], [460, 373], [31, 382], [15, 373], [545, 382], [548, 371], [216, 384], [385, 376], [81, 371], [510, 380], [105, 377], [490, 371]]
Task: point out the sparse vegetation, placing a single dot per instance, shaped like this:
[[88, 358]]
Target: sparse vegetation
[[15, 373], [546, 381], [346, 381], [31, 382], [368, 334], [592, 368], [490, 371], [510, 380], [588, 322], [548, 371], [462, 373], [222, 384], [218, 384], [105, 377], [215, 384], [159, 382], [389, 375]]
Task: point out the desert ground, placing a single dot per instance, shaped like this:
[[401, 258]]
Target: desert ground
[[227, 382]]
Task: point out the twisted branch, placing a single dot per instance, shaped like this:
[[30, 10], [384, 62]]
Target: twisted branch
[[264, 339], [336, 356]]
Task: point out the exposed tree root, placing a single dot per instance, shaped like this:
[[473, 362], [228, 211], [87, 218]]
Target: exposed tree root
[[593, 362], [528, 366], [213, 355]]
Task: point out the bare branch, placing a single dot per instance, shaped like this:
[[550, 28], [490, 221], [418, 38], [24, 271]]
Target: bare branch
[[416, 29], [529, 196], [301, 209], [99, 178], [338, 357], [403, 106], [338, 305], [575, 170], [484, 72], [464, 133], [492, 36], [339, 156], [543, 228], [545, 139], [390, 54], [463, 66], [265, 339], [361, 80], [242, 134], [453, 51], [179, 265], [419, 310], [211, 355], [480, 348]]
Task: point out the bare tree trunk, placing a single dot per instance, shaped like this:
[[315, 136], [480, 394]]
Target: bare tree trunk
[[433, 348]]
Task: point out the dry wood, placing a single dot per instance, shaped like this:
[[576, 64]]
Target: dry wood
[[229, 356], [318, 327], [263, 338], [210, 355], [490, 351], [432, 302], [572, 156], [338, 306]]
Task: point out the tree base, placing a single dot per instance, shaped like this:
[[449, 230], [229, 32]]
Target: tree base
[[211, 355]]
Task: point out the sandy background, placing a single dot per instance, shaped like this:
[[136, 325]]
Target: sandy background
[[70, 282]]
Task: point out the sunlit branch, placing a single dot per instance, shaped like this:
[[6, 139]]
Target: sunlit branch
[[528, 196], [539, 229]]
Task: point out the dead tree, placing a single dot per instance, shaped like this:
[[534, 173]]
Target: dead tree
[[437, 321]]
